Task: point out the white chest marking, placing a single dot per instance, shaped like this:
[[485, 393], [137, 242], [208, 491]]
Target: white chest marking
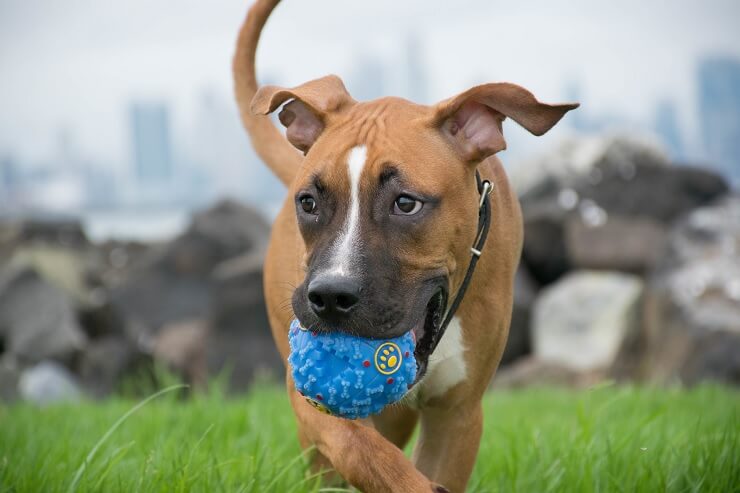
[[446, 366], [347, 241]]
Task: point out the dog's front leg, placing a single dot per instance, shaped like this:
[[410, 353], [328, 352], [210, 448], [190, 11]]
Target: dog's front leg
[[358, 452], [448, 443]]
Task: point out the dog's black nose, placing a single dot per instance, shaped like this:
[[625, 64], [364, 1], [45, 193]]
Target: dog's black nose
[[333, 297]]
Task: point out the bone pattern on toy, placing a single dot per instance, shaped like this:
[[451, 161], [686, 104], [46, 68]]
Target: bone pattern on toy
[[348, 376]]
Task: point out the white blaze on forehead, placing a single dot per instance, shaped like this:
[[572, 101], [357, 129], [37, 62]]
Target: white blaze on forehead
[[348, 240]]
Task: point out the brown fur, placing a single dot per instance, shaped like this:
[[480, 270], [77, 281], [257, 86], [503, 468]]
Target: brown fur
[[430, 153]]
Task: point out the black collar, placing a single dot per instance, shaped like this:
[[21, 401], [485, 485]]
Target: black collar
[[484, 222]]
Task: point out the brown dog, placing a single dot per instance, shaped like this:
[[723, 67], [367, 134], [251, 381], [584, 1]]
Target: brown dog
[[376, 236]]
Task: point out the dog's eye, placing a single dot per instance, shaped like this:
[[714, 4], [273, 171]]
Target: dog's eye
[[407, 206], [308, 204]]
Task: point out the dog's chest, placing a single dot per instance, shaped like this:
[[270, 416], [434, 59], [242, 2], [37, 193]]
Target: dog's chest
[[446, 367]]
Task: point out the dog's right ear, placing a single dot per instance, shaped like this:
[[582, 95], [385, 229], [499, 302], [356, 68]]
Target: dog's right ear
[[305, 116]]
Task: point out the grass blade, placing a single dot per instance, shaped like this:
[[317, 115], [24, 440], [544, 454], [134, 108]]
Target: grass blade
[[112, 429]]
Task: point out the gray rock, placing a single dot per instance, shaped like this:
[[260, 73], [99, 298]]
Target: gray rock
[[174, 282], [241, 340], [48, 382], [238, 295], [577, 159], [624, 243], [9, 376], [211, 273], [182, 347], [75, 272], [54, 230], [244, 357], [519, 342], [661, 193], [60, 266], [107, 361], [101, 319], [581, 320], [224, 231], [10, 236], [618, 191], [37, 319], [533, 372], [544, 252], [693, 301]]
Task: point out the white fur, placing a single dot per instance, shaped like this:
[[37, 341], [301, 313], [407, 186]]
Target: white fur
[[446, 366], [348, 241]]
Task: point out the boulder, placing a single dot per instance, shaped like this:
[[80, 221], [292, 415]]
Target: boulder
[[204, 290], [48, 382], [238, 295], [182, 347], [54, 230], [241, 340], [576, 160], [37, 319], [600, 209], [544, 252], [61, 266], [581, 320], [155, 296], [533, 372], [244, 357], [661, 193], [76, 274], [225, 231], [10, 234], [99, 318], [519, 342], [623, 243], [107, 361], [117, 259], [173, 283], [9, 376], [692, 307]]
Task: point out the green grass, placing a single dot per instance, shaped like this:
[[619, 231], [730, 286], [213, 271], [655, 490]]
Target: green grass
[[608, 439]]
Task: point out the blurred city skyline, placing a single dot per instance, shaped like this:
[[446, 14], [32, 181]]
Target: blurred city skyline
[[75, 73]]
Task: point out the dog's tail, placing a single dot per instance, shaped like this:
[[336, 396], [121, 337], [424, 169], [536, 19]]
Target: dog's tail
[[281, 157]]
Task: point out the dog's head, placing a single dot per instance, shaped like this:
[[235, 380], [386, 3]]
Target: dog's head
[[386, 199]]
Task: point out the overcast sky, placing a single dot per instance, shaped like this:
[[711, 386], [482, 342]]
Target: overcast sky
[[76, 64]]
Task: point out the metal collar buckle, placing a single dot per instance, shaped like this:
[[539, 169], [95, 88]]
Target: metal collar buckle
[[485, 190]]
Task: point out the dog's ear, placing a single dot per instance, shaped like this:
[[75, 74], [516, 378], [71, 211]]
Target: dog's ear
[[472, 120], [305, 116]]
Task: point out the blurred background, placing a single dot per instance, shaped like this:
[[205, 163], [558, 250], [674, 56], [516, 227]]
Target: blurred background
[[134, 213]]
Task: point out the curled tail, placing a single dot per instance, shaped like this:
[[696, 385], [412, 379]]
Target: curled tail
[[281, 157]]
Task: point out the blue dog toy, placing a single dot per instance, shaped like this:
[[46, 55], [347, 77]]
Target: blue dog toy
[[347, 376]]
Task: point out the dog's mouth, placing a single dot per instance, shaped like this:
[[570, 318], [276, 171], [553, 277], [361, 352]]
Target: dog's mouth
[[429, 331]]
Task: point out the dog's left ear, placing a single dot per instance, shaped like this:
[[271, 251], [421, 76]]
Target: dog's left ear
[[472, 121]]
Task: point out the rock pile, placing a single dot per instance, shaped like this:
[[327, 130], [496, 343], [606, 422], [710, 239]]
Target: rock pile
[[93, 316], [635, 263]]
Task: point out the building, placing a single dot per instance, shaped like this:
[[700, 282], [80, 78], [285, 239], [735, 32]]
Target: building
[[666, 127], [719, 113], [151, 142]]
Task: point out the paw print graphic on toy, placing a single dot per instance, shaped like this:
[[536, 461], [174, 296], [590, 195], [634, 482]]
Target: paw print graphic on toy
[[349, 376], [388, 358]]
